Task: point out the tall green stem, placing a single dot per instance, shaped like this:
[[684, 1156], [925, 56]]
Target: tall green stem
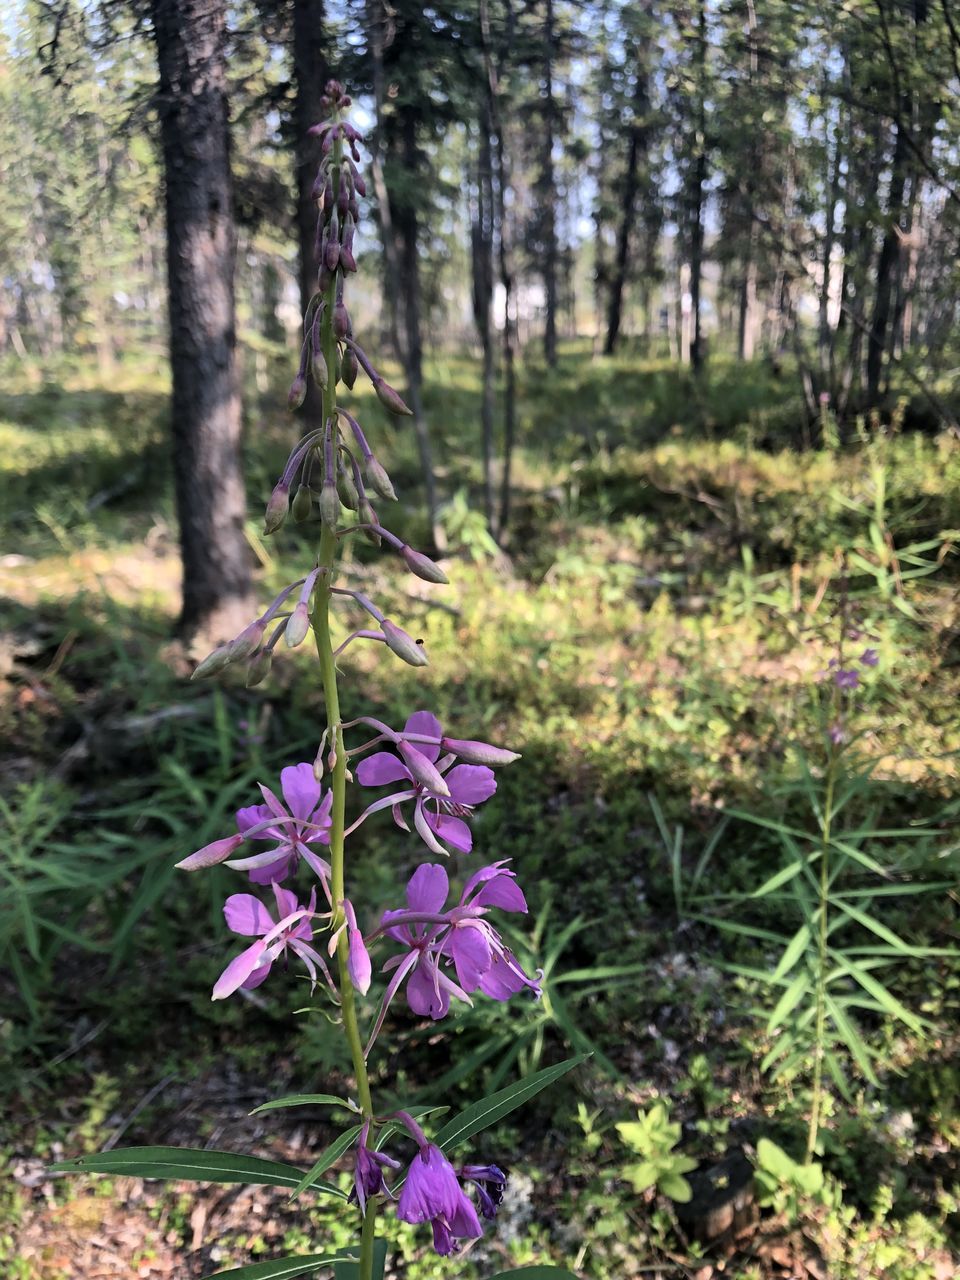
[[816, 1101], [328, 669]]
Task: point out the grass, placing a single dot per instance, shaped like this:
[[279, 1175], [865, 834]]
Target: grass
[[656, 630]]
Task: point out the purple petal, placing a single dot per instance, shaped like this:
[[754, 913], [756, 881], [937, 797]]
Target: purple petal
[[425, 996], [471, 783], [380, 768], [471, 954], [505, 978], [257, 977], [425, 722], [431, 1188], [453, 831], [252, 816], [501, 891], [300, 789], [239, 970], [358, 962], [286, 901], [427, 888], [465, 1224], [211, 854], [284, 866], [247, 915]]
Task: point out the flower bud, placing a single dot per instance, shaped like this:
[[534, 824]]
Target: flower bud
[[348, 491], [329, 505], [297, 393], [358, 183], [379, 480], [302, 506], [368, 517], [343, 196], [423, 566], [423, 770], [213, 663], [258, 668], [248, 641], [343, 328], [331, 254], [324, 278], [349, 368], [276, 511], [318, 367], [390, 398], [478, 752], [327, 200], [298, 624], [211, 854], [348, 262], [403, 645]]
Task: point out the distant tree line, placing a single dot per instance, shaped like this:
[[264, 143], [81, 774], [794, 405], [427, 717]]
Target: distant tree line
[[771, 178]]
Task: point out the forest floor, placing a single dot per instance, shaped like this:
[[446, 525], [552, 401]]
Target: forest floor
[[653, 638]]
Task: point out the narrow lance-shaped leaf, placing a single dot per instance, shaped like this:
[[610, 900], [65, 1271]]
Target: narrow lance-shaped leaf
[[326, 1158], [281, 1268], [191, 1165]]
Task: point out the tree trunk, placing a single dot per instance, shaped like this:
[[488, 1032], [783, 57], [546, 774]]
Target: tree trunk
[[549, 197], [627, 214], [482, 262], [886, 269], [310, 73], [696, 194], [201, 247]]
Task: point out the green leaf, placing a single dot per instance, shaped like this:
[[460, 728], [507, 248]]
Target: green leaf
[[676, 1187], [304, 1100], [281, 1268], [641, 1175], [788, 1001], [326, 1158], [776, 881], [190, 1165], [351, 1270], [488, 1111], [775, 1161], [880, 993], [795, 949]]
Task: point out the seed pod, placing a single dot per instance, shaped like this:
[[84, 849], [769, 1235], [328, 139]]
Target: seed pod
[[403, 645]]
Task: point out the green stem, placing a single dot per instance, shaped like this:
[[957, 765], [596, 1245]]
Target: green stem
[[328, 670], [816, 1102]]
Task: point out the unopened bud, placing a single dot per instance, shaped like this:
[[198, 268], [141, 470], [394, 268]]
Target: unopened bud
[[298, 624], [402, 645], [368, 517], [258, 668], [329, 505], [343, 197], [277, 507], [348, 262], [390, 398], [298, 392], [348, 490], [343, 328], [478, 752], [422, 769], [349, 368], [358, 183], [247, 642], [331, 254], [379, 480], [324, 278], [318, 367], [213, 663], [211, 854], [302, 506], [423, 566], [327, 200]]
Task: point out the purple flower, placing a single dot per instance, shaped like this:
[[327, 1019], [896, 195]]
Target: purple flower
[[436, 939], [443, 796], [837, 734], [490, 1182], [303, 821], [432, 1193], [248, 916], [368, 1171], [846, 678], [869, 657]]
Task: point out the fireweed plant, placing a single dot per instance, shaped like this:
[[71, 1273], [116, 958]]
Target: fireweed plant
[[436, 949]]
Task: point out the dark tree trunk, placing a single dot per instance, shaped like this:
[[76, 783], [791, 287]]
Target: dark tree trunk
[[482, 262], [377, 21], [310, 72], [201, 247], [699, 178], [627, 216], [886, 270], [549, 197]]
